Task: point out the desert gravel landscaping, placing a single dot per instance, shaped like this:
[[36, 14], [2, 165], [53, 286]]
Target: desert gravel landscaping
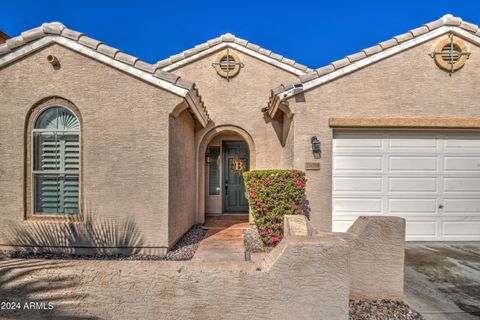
[[184, 249], [252, 240], [382, 310]]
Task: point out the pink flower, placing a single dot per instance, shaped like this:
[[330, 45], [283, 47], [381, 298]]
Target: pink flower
[[300, 185], [293, 205], [266, 182], [273, 240]]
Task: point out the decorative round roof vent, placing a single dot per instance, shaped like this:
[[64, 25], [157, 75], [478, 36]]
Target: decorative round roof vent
[[451, 54], [227, 64]]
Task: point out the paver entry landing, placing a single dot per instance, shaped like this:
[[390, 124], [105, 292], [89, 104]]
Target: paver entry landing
[[224, 239]]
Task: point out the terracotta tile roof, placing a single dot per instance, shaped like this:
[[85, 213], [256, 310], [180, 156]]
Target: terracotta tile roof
[[58, 29], [447, 20], [230, 38]]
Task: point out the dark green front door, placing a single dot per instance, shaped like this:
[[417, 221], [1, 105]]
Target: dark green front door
[[233, 187]]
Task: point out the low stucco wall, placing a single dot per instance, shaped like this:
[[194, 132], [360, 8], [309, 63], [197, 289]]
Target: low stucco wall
[[303, 278], [309, 275], [376, 255]]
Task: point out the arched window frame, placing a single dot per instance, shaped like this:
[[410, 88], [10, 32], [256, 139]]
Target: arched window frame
[[29, 202]]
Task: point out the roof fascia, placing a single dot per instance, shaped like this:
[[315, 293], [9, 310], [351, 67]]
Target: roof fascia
[[238, 47], [285, 95], [50, 39]]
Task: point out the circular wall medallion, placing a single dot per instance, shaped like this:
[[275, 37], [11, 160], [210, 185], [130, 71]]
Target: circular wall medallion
[[227, 64], [451, 54]]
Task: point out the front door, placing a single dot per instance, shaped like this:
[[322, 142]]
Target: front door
[[234, 200]]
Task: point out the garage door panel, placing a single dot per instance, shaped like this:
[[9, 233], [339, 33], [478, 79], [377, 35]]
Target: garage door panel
[[461, 184], [402, 142], [470, 207], [353, 163], [351, 142], [432, 179], [357, 205], [461, 144], [358, 184], [413, 206], [412, 184], [399, 164], [425, 230], [465, 163], [461, 229]]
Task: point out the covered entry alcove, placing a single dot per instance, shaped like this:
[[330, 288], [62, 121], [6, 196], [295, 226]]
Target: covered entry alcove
[[223, 152]]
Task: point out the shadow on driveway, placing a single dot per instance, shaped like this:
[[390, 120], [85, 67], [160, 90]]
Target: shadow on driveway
[[442, 280]]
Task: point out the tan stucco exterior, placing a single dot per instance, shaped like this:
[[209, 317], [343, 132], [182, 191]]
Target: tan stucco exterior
[[238, 102], [125, 137], [181, 190], [309, 275], [406, 85], [144, 145], [235, 107]]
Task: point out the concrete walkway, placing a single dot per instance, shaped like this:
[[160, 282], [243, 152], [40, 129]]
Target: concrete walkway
[[224, 239], [442, 279]]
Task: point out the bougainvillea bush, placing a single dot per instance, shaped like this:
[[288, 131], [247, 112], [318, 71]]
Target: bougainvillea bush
[[271, 195]]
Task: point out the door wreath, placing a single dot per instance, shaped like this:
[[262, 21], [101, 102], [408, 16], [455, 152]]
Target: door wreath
[[238, 166]]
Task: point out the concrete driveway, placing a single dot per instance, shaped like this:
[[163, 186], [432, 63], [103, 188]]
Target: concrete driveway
[[442, 280]]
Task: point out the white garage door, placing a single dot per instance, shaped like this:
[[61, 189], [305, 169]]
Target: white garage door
[[432, 179]]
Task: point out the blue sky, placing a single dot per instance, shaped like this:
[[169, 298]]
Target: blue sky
[[313, 33]]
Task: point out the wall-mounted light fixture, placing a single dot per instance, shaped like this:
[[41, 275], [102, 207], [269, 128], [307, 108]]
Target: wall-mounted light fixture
[[207, 158], [317, 152]]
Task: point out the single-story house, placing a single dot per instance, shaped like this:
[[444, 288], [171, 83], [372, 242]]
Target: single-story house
[[87, 130]]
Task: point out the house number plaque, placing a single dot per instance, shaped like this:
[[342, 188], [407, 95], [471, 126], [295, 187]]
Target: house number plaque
[[312, 165]]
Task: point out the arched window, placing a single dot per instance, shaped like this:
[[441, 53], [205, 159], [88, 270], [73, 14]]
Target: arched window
[[55, 163]]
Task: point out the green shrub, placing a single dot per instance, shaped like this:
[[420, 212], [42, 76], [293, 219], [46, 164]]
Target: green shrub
[[271, 195]]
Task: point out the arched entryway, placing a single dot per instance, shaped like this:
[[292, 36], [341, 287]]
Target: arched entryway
[[220, 189]]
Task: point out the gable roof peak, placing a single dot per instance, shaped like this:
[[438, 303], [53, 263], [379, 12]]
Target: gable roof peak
[[382, 50], [57, 32], [448, 16], [56, 23], [228, 39], [450, 20]]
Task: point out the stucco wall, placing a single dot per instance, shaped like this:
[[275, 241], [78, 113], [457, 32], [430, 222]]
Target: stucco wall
[[181, 189], [240, 100], [289, 146], [124, 137], [377, 256], [408, 84], [309, 275], [303, 278]]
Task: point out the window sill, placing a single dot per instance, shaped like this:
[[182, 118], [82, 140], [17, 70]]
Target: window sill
[[55, 218]]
